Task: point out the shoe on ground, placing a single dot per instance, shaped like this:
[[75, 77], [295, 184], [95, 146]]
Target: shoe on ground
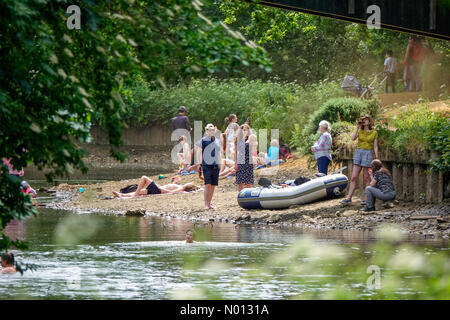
[[363, 203], [346, 201], [367, 209]]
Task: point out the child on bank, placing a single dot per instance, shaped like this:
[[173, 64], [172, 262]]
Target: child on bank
[[184, 158]]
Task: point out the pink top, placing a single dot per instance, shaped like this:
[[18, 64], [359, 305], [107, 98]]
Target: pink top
[[7, 162]]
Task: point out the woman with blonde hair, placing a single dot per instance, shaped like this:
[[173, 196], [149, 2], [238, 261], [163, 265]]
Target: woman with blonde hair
[[274, 153], [322, 147], [253, 141], [362, 159]]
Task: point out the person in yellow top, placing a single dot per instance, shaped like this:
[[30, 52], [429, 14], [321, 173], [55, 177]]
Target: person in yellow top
[[362, 159]]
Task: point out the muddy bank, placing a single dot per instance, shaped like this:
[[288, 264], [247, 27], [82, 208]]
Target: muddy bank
[[427, 220]]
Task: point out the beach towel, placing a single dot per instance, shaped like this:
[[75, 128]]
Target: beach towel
[[185, 173]]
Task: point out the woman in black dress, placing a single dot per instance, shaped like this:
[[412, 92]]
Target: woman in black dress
[[243, 160]]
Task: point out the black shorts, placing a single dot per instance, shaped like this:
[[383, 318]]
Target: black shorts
[[211, 174], [153, 188]]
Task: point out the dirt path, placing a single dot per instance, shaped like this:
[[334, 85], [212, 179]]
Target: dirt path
[[428, 220]]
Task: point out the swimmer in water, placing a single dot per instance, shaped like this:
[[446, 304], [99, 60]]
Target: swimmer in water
[[7, 261], [189, 236]]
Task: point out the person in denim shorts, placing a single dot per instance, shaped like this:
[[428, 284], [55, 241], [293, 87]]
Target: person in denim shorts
[[362, 159]]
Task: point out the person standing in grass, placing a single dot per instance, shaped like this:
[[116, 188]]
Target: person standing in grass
[[243, 158], [362, 159], [209, 154], [322, 147]]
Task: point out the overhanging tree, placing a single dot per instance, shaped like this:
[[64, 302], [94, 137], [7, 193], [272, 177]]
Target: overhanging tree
[[54, 81]]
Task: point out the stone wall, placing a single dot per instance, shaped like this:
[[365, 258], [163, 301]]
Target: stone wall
[[148, 150], [413, 179]]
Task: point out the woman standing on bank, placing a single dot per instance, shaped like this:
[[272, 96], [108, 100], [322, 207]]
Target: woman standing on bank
[[362, 159], [322, 147], [243, 158], [232, 127]]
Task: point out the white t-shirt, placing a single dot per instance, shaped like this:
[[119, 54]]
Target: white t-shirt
[[230, 132], [390, 64]]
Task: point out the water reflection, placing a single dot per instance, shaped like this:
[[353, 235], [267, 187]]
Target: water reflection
[[147, 258]]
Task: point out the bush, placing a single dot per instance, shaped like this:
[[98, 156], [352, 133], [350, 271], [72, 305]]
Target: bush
[[337, 110], [270, 105], [420, 131]]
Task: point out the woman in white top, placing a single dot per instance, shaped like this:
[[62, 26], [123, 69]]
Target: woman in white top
[[322, 147], [232, 127]]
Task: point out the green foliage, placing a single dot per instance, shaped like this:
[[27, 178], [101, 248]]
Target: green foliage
[[270, 105], [14, 204], [336, 109], [414, 133], [340, 112], [55, 81], [308, 48]]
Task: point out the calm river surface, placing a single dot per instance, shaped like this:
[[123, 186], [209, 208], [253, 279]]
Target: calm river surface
[[99, 256]]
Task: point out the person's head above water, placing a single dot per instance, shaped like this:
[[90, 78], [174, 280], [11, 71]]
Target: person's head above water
[[189, 236], [7, 259]]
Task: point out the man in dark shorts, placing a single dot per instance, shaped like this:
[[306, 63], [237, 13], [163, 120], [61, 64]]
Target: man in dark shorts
[[211, 159]]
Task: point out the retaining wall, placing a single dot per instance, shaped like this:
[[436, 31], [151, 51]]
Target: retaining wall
[[413, 178], [148, 150]]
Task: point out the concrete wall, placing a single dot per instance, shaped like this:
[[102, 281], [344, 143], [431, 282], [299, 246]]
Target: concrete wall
[[148, 150], [146, 136]]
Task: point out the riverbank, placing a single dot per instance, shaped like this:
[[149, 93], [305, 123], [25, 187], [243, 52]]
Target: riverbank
[[428, 220]]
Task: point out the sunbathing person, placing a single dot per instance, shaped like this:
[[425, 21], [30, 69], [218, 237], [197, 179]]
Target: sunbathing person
[[227, 168], [148, 186]]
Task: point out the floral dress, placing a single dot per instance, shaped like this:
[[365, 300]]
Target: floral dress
[[245, 167]]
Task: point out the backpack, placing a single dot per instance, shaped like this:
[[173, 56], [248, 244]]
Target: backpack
[[301, 180], [130, 188]]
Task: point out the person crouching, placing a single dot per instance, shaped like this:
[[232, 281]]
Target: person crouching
[[381, 185]]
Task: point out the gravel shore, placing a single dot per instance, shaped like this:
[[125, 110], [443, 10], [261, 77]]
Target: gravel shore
[[428, 220]]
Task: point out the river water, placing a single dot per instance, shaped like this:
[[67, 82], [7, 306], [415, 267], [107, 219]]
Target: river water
[[101, 256]]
